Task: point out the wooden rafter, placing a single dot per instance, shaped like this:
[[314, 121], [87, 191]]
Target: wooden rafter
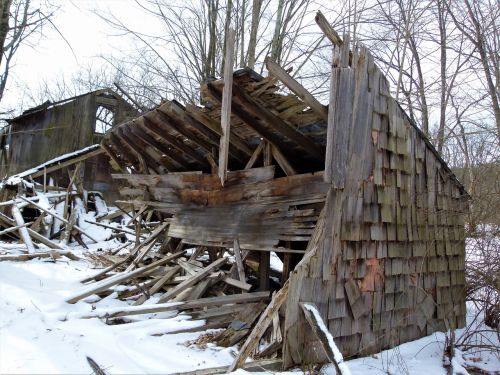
[[297, 88], [160, 131], [245, 116], [160, 147], [202, 118]]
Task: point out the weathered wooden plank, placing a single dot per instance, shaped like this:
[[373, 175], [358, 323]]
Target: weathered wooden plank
[[192, 280], [297, 88], [227, 93], [114, 280], [265, 319], [172, 306], [328, 30], [339, 121]]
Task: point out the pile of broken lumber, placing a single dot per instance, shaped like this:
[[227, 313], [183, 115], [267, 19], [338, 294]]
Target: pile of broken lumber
[[158, 275]]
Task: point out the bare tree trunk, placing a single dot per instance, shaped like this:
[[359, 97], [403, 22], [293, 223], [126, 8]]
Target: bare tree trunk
[[4, 24], [227, 25], [444, 85], [477, 33], [252, 44], [277, 37], [242, 33], [212, 21]]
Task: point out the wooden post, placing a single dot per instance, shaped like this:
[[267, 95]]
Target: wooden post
[[44, 179], [227, 94], [23, 232]]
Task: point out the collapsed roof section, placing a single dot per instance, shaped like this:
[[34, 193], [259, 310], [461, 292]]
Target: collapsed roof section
[[177, 138]]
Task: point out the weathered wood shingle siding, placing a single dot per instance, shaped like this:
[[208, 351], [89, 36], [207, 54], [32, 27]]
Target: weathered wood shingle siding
[[388, 265]]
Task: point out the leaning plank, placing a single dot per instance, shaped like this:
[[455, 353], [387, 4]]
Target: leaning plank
[[201, 303], [325, 337], [23, 232], [239, 261], [192, 280], [49, 254], [226, 106], [297, 88], [328, 30], [261, 326], [283, 162], [109, 282], [58, 217], [255, 155]]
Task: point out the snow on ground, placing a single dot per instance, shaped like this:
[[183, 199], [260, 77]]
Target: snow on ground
[[35, 338]]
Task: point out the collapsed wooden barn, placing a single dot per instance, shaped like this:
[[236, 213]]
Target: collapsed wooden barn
[[364, 213], [63, 129]]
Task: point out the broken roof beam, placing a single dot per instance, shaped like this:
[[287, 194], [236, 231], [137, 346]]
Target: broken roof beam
[[105, 146], [197, 114], [330, 33], [179, 111], [125, 152], [328, 30], [160, 147], [160, 131], [248, 118], [147, 163], [277, 124], [297, 89]]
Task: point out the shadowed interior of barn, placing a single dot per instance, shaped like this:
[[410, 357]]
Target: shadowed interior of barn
[[364, 213]]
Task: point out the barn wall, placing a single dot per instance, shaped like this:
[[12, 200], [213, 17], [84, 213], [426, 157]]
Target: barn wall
[[46, 134], [387, 264]]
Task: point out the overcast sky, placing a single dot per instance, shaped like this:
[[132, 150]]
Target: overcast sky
[[88, 35]]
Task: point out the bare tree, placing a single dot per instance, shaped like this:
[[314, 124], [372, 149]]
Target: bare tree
[[478, 21], [20, 20]]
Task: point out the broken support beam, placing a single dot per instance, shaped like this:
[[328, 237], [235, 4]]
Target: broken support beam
[[297, 88], [226, 107], [265, 319]]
